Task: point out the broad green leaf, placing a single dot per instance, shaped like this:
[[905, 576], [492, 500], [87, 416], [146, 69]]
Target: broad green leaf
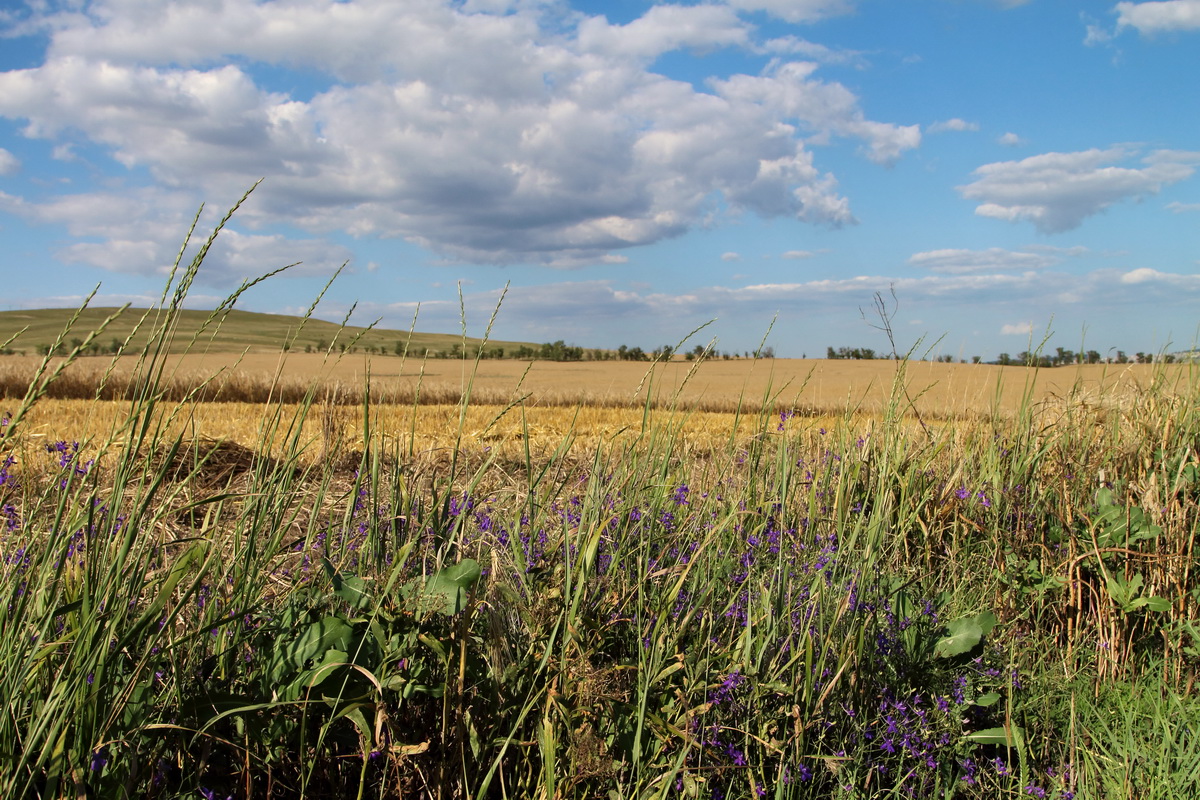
[[988, 699], [450, 588], [964, 634], [1156, 604], [353, 590], [354, 713], [1117, 589], [322, 635], [1009, 737]]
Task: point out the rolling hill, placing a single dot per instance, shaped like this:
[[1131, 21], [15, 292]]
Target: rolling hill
[[34, 331]]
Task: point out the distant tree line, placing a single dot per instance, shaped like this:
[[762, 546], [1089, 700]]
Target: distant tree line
[[856, 353], [1063, 357], [561, 351], [1059, 358]]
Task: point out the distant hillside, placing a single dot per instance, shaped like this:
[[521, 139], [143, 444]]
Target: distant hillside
[[233, 331]]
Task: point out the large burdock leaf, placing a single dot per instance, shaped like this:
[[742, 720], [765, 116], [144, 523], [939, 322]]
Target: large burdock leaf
[[350, 588], [964, 634], [314, 641], [447, 591]]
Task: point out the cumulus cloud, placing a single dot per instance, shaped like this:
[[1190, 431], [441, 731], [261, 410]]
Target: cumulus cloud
[[9, 164], [1016, 329], [1180, 208], [962, 262], [825, 109], [663, 29], [1159, 17], [139, 232], [1145, 275], [507, 134], [954, 124], [731, 256], [1010, 139], [797, 254], [1058, 191]]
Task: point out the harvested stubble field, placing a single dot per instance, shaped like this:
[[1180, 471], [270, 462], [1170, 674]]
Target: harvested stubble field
[[511, 402], [276, 601]]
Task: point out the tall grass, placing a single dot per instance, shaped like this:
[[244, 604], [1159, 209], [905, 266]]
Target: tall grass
[[997, 608]]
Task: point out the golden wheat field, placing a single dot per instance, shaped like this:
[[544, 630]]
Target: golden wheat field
[[516, 405]]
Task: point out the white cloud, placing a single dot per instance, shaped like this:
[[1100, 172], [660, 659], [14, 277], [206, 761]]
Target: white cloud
[[797, 254], [1017, 329], [1054, 250], [193, 299], [1180, 208], [792, 45], [510, 136], [1010, 139], [1145, 275], [1159, 17], [962, 262], [731, 257], [826, 109], [797, 10], [1058, 191], [954, 124], [591, 307], [140, 232], [9, 164], [1096, 33], [663, 29]]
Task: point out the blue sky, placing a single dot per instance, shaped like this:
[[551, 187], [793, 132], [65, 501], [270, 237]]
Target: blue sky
[[631, 170]]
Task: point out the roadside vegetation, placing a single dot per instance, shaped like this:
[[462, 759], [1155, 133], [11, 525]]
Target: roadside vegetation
[[862, 606]]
